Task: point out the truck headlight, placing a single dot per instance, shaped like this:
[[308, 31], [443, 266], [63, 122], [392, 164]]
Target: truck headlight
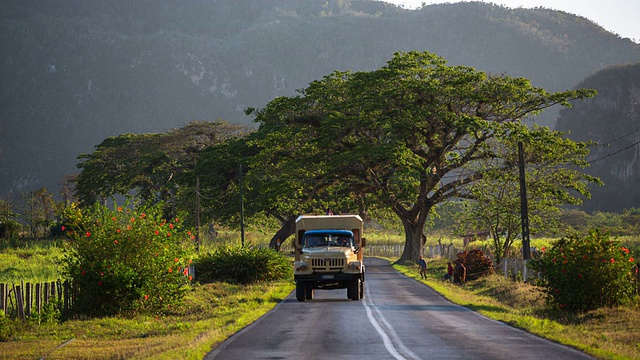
[[354, 266], [300, 266]]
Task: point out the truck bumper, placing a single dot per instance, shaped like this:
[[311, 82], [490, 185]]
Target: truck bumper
[[328, 281]]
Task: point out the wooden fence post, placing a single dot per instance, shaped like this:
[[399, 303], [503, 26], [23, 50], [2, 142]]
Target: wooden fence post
[[19, 302], [27, 299], [67, 295], [39, 298], [3, 298]]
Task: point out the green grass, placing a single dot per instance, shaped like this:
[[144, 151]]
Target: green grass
[[37, 263], [210, 314]]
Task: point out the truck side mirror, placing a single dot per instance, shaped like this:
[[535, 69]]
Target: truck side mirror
[[364, 242]]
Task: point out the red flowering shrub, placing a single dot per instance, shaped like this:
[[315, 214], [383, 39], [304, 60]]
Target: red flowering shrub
[[124, 261], [581, 274], [477, 264]]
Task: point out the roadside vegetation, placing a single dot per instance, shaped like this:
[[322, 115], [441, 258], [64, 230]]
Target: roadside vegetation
[[211, 312], [606, 332]]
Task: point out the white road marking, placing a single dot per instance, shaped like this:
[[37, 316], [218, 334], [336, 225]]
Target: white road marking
[[390, 338]]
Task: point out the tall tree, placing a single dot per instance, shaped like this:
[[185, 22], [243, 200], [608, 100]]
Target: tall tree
[[410, 135], [553, 179], [147, 164], [39, 210]]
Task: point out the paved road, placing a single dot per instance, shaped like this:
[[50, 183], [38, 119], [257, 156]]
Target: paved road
[[399, 318]]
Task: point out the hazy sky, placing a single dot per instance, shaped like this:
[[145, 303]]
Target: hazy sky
[[618, 16]]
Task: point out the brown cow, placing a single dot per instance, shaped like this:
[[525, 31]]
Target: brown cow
[[459, 274]]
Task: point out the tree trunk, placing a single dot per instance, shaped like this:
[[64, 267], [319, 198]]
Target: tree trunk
[[288, 228], [414, 241]]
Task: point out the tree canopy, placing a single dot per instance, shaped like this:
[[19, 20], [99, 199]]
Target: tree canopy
[[147, 164], [412, 134]]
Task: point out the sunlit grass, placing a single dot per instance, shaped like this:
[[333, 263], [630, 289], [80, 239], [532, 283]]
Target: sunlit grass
[[210, 314], [34, 264]]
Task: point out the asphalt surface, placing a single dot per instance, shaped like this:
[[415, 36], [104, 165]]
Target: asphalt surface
[[399, 318]]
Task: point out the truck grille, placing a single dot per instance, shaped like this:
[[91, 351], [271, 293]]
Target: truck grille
[[327, 264]]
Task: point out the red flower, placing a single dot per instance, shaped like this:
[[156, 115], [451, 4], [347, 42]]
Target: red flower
[[613, 260], [63, 228], [146, 297], [99, 283], [156, 232], [132, 219], [170, 270], [88, 234], [631, 259], [176, 259], [625, 249], [168, 234], [115, 242], [120, 208], [190, 277], [83, 272], [186, 271], [543, 249], [143, 215], [170, 226], [114, 218]]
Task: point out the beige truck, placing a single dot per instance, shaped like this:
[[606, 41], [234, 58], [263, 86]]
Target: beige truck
[[329, 255]]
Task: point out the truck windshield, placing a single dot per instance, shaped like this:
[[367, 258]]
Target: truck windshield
[[319, 240]]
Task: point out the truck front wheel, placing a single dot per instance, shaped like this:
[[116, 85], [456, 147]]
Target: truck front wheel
[[300, 291], [353, 292]]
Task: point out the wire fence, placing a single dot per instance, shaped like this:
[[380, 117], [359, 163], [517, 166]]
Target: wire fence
[[513, 268]]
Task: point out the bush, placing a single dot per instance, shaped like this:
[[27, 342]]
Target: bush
[[581, 274], [125, 261], [9, 229], [477, 263], [6, 327], [243, 265]]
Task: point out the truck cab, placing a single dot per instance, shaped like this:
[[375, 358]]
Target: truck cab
[[329, 255]]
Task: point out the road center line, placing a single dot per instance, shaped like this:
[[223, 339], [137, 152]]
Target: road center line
[[390, 338]]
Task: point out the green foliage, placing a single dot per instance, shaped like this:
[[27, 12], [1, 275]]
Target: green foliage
[[243, 265], [585, 273], [125, 261], [6, 327], [476, 262], [9, 229], [49, 314], [396, 138], [149, 164]]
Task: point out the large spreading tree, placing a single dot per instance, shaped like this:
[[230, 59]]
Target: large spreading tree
[[412, 134], [149, 166]]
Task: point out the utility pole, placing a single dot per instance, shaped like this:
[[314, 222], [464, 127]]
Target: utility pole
[[241, 210], [198, 214], [524, 210]]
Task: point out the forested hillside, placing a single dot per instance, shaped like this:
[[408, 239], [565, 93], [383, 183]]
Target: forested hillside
[[612, 120], [75, 72]]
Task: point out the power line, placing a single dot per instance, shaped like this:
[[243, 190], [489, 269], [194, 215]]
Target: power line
[[615, 152]]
